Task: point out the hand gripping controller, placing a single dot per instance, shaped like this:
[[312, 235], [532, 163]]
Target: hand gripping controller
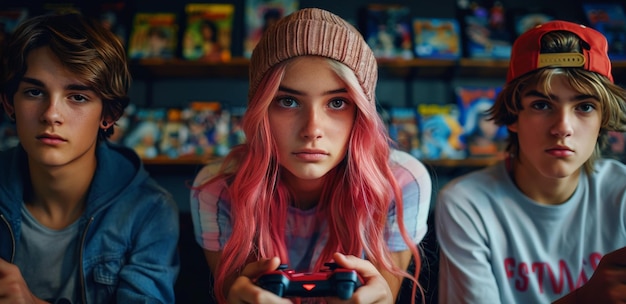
[[334, 281]]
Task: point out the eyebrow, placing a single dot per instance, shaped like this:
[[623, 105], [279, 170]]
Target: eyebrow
[[75, 87], [296, 92], [535, 93]]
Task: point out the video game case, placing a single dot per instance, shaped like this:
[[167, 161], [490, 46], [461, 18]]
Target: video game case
[[404, 129], [115, 16], [610, 20], [438, 38], [154, 35], [208, 31], [260, 14], [481, 136], [523, 19], [485, 31], [387, 30], [146, 131], [441, 132]]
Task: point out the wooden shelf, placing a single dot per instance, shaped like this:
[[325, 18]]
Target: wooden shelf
[[404, 68], [179, 68], [238, 68], [420, 68], [482, 68]]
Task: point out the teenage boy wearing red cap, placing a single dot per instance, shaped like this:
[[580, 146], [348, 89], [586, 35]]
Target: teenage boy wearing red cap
[[547, 223]]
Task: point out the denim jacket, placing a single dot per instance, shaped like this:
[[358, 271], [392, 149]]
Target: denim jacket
[[128, 232]]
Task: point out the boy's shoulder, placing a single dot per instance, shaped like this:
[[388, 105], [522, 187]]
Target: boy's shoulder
[[608, 169], [488, 179]]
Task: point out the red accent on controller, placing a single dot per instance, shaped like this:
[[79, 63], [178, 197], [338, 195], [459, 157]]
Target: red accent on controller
[[334, 281]]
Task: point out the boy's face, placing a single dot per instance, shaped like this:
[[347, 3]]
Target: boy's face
[[57, 115], [557, 130], [311, 118]]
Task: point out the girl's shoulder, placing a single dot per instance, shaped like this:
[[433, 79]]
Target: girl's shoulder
[[406, 167], [207, 172]]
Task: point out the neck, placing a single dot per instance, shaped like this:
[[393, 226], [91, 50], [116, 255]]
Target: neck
[[57, 194], [306, 193], [541, 189]]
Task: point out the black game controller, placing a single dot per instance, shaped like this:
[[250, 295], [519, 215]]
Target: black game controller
[[333, 281]]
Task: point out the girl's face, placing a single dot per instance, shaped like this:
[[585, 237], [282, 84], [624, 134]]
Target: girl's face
[[57, 115], [557, 130], [311, 118]]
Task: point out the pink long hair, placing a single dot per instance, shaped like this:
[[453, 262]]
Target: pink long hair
[[354, 202]]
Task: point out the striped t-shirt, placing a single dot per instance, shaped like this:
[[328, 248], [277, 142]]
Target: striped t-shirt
[[210, 211]]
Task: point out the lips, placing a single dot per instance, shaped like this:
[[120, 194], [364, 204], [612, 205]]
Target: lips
[[311, 151], [311, 155], [50, 136], [51, 139], [560, 151], [560, 148]]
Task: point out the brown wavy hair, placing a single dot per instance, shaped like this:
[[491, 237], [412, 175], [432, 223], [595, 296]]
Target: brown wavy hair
[[83, 46]]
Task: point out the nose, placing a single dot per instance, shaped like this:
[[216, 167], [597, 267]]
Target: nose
[[52, 110], [312, 124], [562, 126]]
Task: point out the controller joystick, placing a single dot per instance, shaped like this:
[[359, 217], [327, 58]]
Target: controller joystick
[[332, 281]]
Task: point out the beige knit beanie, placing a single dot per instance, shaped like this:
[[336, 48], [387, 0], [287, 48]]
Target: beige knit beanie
[[313, 31]]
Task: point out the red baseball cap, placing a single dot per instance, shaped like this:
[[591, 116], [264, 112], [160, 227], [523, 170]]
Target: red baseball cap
[[526, 56]]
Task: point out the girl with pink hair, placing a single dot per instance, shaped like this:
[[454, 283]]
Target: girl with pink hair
[[316, 180]]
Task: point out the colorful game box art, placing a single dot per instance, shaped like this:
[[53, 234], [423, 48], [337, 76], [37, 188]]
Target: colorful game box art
[[481, 136], [404, 129], [387, 30], [115, 16], [610, 20], [526, 20], [485, 31], [441, 132], [259, 15], [437, 38], [154, 35], [208, 33], [146, 132]]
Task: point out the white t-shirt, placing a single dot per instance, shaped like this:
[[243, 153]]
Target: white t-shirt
[[498, 246]]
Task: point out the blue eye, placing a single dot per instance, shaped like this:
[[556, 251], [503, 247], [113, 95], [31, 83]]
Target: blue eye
[[287, 102], [337, 103]]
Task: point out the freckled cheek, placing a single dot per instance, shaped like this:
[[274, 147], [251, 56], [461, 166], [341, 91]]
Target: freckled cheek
[[281, 129], [342, 131]]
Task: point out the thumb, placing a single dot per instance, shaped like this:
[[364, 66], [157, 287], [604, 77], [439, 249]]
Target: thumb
[[363, 267], [255, 269]]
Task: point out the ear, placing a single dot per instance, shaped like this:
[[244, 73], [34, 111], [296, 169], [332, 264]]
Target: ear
[[512, 127], [8, 108], [106, 122]]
